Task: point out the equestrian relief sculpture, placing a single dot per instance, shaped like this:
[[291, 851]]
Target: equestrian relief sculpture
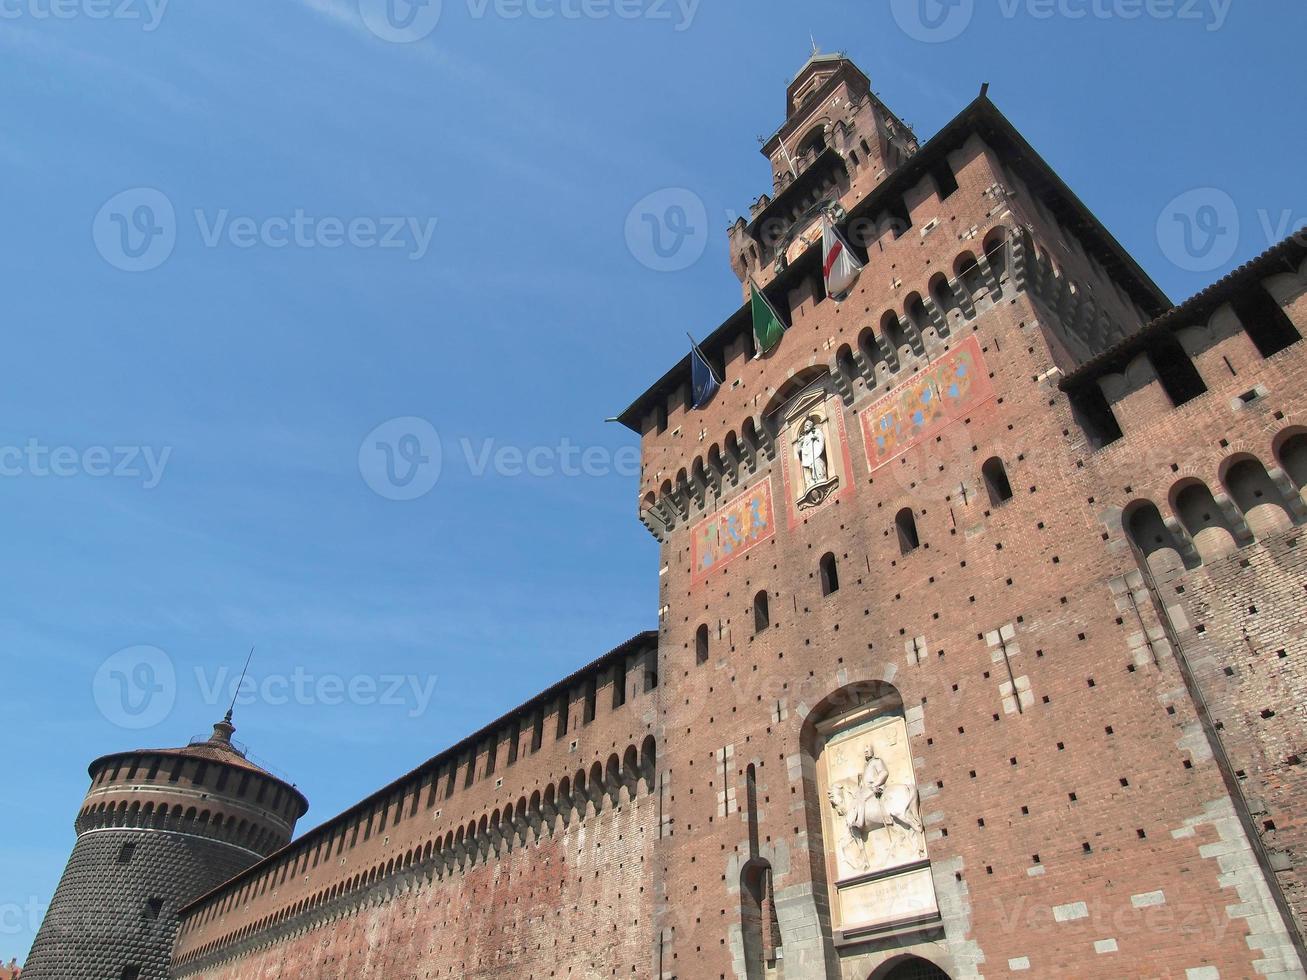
[[880, 822]]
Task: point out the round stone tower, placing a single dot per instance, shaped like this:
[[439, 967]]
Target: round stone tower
[[158, 828]]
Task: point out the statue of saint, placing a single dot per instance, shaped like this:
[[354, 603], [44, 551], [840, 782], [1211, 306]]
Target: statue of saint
[[811, 452]]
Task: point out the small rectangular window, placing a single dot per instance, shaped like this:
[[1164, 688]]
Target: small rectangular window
[[152, 909], [563, 721], [126, 852], [946, 181], [619, 684]]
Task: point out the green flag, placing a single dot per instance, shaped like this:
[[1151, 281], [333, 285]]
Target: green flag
[[768, 328]]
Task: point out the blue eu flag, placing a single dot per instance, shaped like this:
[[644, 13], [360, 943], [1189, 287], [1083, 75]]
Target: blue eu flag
[[703, 379]]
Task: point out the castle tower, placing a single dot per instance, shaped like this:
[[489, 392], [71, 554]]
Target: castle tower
[[837, 143], [910, 669], [158, 828]]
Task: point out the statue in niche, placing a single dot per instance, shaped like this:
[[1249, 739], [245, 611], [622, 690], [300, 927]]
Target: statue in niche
[[872, 804], [810, 451]]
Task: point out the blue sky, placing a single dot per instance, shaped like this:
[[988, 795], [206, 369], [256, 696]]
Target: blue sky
[[191, 454]]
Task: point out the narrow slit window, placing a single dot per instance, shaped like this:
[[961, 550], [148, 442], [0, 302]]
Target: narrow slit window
[[830, 576], [906, 523], [996, 481]]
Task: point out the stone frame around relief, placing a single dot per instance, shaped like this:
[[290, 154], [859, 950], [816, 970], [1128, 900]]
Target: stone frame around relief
[[735, 507], [903, 885], [980, 391], [799, 407]]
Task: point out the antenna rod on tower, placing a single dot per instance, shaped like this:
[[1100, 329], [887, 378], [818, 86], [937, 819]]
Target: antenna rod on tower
[[236, 693]]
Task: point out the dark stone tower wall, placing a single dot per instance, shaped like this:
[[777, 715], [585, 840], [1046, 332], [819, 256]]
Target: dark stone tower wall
[[158, 829], [101, 926]]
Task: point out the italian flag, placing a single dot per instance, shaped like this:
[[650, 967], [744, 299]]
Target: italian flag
[[839, 268], [768, 328]]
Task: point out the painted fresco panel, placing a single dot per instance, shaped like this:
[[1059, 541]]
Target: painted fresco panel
[[732, 530], [928, 401]]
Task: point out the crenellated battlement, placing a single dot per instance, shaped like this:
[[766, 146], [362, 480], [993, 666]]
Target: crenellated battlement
[[573, 751]]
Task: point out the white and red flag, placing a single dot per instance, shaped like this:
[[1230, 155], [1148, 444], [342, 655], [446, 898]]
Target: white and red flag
[[839, 267]]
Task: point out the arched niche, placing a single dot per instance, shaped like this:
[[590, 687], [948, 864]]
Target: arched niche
[[1157, 545], [873, 842], [1256, 495], [1202, 517]]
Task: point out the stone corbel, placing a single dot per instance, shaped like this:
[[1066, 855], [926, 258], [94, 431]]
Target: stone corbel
[[843, 383], [1234, 517], [990, 276], [1184, 544], [1293, 498], [937, 317], [965, 303]]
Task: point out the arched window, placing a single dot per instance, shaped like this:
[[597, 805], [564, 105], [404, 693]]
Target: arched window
[[1293, 458], [760, 929], [907, 528], [1257, 496], [996, 481], [1204, 521], [701, 645], [916, 311], [891, 328], [830, 576], [761, 616]]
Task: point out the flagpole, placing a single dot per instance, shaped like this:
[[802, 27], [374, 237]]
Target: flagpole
[[694, 346]]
